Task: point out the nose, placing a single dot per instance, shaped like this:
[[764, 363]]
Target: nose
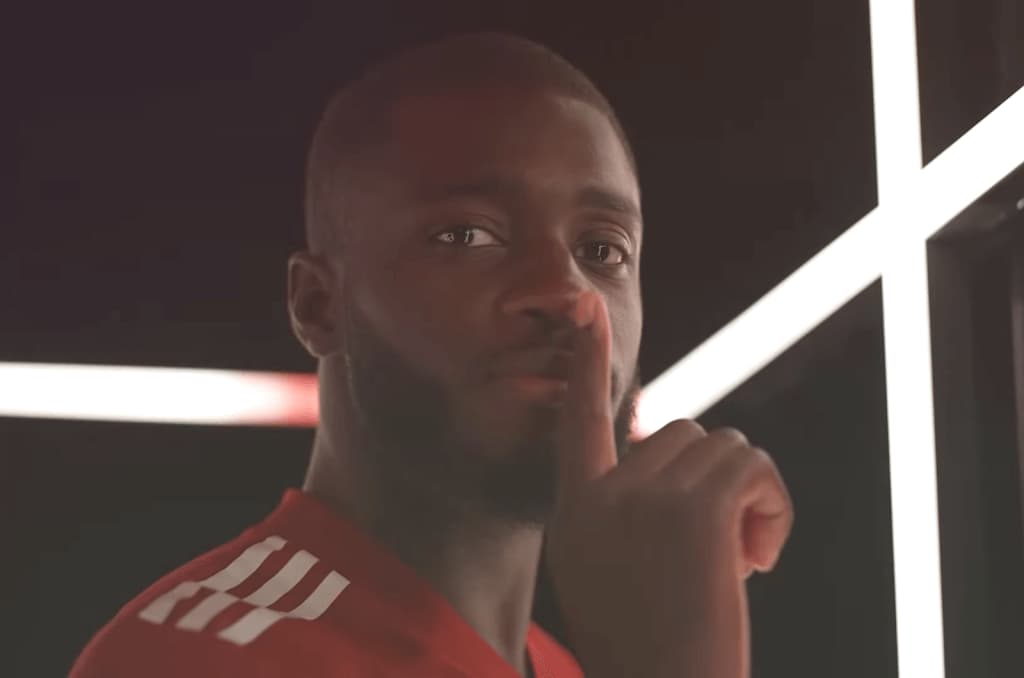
[[547, 286]]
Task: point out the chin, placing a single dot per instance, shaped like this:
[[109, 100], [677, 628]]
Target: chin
[[508, 476]]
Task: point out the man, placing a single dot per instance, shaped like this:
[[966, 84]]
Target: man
[[471, 292]]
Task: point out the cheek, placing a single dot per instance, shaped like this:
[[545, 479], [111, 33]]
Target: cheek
[[626, 324], [626, 318], [421, 322]]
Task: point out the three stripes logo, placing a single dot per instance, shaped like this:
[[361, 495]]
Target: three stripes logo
[[259, 617]]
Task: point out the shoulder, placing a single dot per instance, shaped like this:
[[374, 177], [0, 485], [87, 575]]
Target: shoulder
[[230, 611]]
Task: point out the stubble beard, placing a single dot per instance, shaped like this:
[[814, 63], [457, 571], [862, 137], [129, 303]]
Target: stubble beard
[[418, 458]]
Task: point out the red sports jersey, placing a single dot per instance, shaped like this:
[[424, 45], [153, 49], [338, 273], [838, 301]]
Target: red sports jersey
[[304, 594]]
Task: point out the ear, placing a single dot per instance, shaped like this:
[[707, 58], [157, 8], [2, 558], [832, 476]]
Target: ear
[[312, 303]]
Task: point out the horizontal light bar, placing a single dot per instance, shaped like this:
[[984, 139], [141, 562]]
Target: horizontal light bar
[[157, 394], [981, 158]]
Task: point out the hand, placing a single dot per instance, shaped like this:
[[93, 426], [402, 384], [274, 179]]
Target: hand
[[648, 557]]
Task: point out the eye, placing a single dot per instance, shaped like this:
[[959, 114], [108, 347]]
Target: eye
[[468, 236], [604, 252]]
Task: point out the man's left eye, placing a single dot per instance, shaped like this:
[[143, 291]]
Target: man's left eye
[[605, 252]]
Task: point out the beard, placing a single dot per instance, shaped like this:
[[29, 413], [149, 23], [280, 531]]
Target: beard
[[425, 449]]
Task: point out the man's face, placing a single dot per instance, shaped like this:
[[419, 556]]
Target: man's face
[[488, 212]]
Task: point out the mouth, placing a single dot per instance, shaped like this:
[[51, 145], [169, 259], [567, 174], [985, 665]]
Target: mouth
[[538, 374]]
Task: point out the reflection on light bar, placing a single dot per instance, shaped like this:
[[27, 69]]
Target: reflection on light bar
[[157, 394]]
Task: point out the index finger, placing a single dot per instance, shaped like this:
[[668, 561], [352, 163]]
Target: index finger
[[587, 434]]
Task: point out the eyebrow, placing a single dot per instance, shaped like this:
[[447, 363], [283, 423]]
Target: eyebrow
[[601, 198], [498, 186]]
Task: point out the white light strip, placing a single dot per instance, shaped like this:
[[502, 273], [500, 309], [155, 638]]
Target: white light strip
[[917, 558], [912, 475], [946, 186], [896, 97], [156, 394]]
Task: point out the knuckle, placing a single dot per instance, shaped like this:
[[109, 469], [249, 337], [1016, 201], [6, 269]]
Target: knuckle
[[730, 436], [761, 457], [685, 428], [761, 462]]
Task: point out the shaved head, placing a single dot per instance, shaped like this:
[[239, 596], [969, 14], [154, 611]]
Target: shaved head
[[358, 120]]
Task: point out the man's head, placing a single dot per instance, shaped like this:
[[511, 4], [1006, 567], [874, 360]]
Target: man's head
[[459, 199]]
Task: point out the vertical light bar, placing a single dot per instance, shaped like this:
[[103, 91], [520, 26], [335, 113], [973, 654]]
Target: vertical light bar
[[896, 96], [915, 518]]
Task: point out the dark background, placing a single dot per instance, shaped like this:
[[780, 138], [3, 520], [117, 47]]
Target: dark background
[[158, 151]]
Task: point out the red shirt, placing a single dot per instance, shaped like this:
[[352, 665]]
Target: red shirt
[[303, 593]]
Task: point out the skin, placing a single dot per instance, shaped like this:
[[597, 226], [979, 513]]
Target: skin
[[649, 554], [454, 471]]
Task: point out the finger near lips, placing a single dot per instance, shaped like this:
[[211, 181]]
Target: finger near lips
[[587, 436], [722, 463]]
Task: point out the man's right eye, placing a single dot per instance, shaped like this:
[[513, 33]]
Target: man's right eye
[[468, 236]]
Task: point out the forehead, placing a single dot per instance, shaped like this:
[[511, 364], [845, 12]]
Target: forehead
[[541, 139]]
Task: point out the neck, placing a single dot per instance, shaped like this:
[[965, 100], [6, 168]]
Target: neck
[[484, 567]]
